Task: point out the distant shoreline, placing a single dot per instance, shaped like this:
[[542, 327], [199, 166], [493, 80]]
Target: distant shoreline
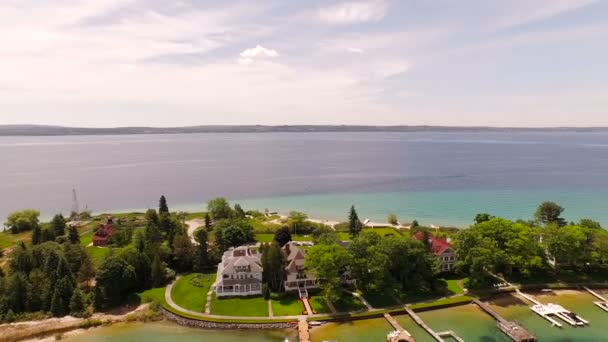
[[40, 130]]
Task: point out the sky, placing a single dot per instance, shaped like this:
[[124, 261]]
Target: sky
[[106, 63]]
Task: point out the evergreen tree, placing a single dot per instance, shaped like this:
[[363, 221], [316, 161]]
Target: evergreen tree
[[58, 225], [183, 253], [354, 225], [36, 235], [239, 212], [163, 208], [17, 290], [60, 304], [201, 258], [48, 235], [282, 236], [157, 274], [273, 263], [50, 266], [207, 222], [77, 303], [73, 235]]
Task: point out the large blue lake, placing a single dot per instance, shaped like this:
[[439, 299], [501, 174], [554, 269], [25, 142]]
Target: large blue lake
[[437, 178]]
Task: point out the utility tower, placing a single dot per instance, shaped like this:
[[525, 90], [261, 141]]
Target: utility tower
[[75, 206]]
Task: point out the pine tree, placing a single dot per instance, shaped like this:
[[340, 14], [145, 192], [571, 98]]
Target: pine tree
[[207, 222], [238, 211], [354, 225], [201, 258], [157, 275], [58, 225], [163, 208], [77, 303], [36, 236], [73, 235]]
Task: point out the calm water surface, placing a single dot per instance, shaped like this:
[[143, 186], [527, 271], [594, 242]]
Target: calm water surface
[[442, 178]]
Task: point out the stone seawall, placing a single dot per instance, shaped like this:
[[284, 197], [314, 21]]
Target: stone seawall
[[223, 325]]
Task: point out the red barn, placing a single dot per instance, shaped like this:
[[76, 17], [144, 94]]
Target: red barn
[[103, 233]]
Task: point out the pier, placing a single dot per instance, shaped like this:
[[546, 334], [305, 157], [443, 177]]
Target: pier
[[438, 336], [303, 330], [400, 334], [516, 332], [548, 310], [602, 303]]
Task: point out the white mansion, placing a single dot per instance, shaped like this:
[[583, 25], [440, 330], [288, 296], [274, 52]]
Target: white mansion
[[239, 273]]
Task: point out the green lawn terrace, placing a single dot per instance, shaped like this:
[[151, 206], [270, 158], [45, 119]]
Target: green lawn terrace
[[190, 291]]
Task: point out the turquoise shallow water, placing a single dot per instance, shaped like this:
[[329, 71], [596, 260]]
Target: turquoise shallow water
[[456, 207]]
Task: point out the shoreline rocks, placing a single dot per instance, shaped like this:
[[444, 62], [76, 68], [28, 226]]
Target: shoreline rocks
[[223, 325]]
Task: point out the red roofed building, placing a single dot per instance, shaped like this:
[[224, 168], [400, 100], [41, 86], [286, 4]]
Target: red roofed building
[[442, 249], [103, 233]]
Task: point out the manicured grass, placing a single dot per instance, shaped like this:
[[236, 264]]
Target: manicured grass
[[286, 305], [8, 239], [442, 302], [270, 237], [189, 296], [193, 216], [453, 286], [153, 295], [318, 304], [249, 306], [98, 254], [380, 300], [349, 303], [86, 238]]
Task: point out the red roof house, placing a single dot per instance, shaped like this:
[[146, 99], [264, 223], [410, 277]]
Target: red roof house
[[442, 249], [103, 233]]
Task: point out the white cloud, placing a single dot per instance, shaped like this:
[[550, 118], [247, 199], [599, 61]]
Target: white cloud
[[259, 52], [354, 50], [353, 12]]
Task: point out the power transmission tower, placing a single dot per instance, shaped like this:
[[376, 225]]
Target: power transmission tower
[[75, 206]]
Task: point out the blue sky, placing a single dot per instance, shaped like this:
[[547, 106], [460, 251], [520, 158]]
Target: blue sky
[[400, 62]]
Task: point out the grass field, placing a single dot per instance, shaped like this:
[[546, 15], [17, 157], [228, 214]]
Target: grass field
[[380, 300], [453, 286], [349, 303], [98, 254], [153, 295], [286, 305], [8, 239], [270, 237], [249, 306], [86, 238], [318, 304], [189, 296]]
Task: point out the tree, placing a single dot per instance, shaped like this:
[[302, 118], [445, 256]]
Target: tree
[[141, 266], [58, 225], [282, 236], [273, 263], [157, 275], [47, 234], [265, 291], [21, 221], [183, 253], [162, 205], [233, 233], [550, 213], [414, 225], [73, 235], [219, 208], [591, 224], [567, 245], [483, 217], [239, 212], [77, 303], [296, 220], [207, 222], [354, 225], [36, 235], [329, 263], [60, 304], [392, 219], [115, 279], [201, 255]]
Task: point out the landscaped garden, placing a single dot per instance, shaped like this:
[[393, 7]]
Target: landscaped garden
[[190, 292], [242, 306], [318, 304], [348, 304]]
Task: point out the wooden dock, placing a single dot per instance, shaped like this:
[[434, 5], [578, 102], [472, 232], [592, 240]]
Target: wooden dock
[[437, 336], [602, 303], [404, 335], [303, 330], [516, 332]]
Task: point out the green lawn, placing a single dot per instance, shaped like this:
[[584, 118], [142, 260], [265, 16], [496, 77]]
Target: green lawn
[[270, 237], [286, 305], [453, 286], [153, 295], [318, 304], [189, 296], [86, 238], [193, 216], [98, 254], [249, 306], [8, 239], [380, 300], [349, 303]]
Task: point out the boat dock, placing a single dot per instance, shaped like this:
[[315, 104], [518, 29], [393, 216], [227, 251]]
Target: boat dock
[[437, 336], [303, 330], [602, 303], [400, 334], [548, 311], [516, 332]]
